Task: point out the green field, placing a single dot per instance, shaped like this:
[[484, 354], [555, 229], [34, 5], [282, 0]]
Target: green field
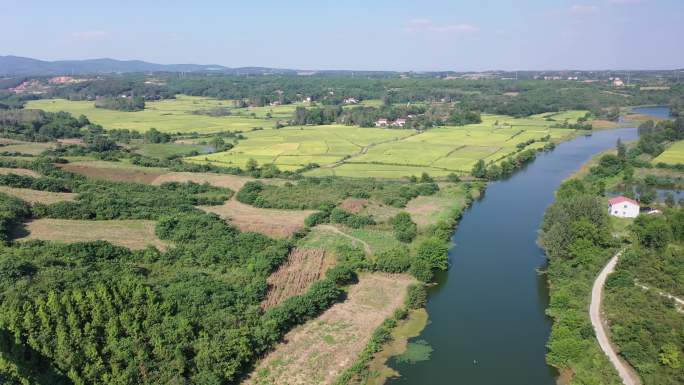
[[291, 148], [673, 155], [172, 115], [339, 150], [164, 150], [385, 153], [443, 150]]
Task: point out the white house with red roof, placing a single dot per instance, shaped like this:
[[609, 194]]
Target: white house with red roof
[[623, 207]]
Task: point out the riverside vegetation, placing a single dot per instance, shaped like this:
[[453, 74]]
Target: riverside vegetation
[[646, 327]]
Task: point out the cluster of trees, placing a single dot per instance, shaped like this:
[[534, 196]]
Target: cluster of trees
[[507, 166], [331, 214], [460, 117], [113, 86], [39, 126], [314, 193], [654, 136], [360, 116], [128, 104]]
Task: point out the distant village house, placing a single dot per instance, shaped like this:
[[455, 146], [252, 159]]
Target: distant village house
[[386, 123], [399, 123], [381, 123]]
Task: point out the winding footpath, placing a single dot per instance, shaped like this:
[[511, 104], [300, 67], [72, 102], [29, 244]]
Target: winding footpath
[[627, 374], [366, 247], [679, 303]]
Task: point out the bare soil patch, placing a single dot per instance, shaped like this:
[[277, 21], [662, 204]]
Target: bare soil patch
[[37, 196], [77, 141], [271, 222], [5, 141], [320, 350], [604, 124], [302, 268], [422, 210], [19, 171], [233, 182], [134, 234], [118, 174], [354, 205]]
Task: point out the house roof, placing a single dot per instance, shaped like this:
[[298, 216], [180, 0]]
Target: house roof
[[620, 199]]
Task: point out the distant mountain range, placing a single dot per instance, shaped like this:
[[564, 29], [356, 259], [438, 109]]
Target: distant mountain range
[[23, 66]]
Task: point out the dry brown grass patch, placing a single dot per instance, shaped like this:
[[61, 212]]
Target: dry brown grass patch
[[302, 268], [19, 171], [271, 222], [354, 205], [320, 350], [134, 234], [233, 182], [5, 141], [604, 124], [77, 141], [37, 196], [118, 174]]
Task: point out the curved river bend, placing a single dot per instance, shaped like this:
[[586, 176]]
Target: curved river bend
[[488, 325]]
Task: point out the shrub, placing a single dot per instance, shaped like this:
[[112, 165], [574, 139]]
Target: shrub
[[435, 252], [405, 229], [395, 260], [341, 275], [416, 296]]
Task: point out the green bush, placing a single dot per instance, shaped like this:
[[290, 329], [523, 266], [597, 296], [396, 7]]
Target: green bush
[[416, 298], [395, 260], [405, 230]]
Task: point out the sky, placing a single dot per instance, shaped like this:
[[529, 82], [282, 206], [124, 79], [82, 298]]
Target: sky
[[425, 35]]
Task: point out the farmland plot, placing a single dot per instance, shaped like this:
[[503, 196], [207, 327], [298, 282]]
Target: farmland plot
[[134, 234], [320, 350]]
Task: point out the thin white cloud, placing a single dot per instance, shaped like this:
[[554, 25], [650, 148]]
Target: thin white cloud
[[90, 34], [583, 9], [417, 25], [624, 2]]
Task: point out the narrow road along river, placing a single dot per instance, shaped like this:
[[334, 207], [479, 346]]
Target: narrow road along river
[[487, 321]]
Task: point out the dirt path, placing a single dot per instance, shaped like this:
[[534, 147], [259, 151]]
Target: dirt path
[[678, 301], [366, 247], [627, 374]]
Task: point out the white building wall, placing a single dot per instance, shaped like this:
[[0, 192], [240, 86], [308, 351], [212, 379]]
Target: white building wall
[[624, 210]]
